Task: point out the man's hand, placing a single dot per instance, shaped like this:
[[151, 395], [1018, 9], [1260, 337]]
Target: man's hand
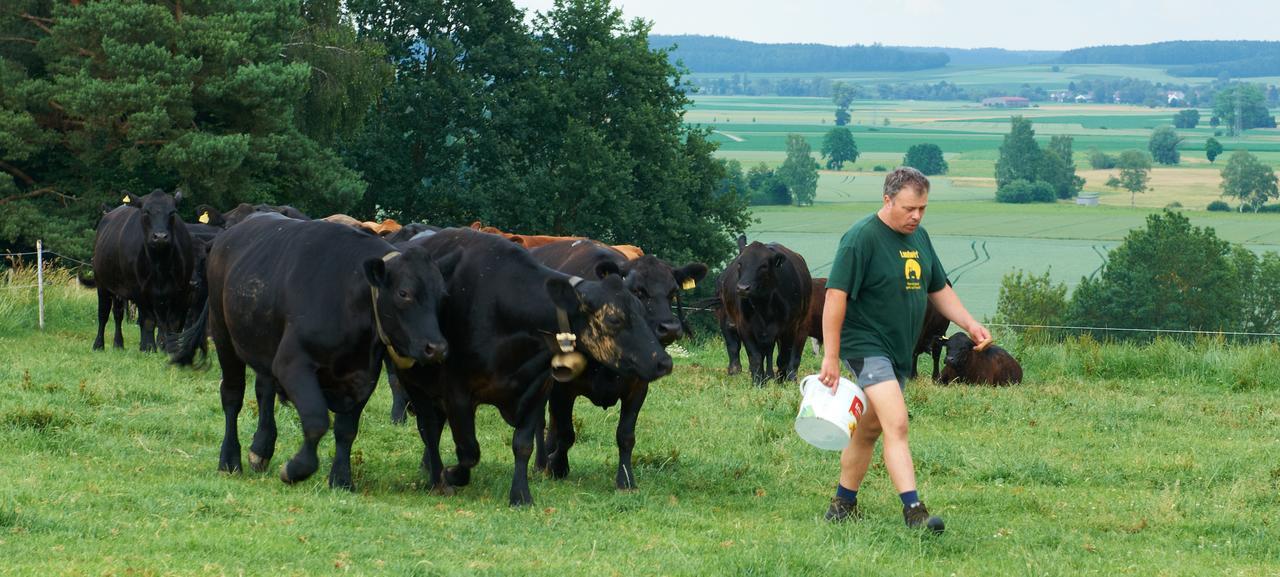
[[978, 333], [830, 375]]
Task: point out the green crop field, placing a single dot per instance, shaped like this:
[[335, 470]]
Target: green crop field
[[1109, 459]]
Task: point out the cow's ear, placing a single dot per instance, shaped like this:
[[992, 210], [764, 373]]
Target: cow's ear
[[206, 214], [563, 295], [606, 268], [375, 270], [131, 200], [177, 196], [517, 239], [742, 242], [447, 263], [689, 275], [778, 259]]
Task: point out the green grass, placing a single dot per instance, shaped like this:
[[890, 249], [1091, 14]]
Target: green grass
[[1110, 459]]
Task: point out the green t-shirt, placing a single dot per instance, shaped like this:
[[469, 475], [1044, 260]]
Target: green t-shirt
[[888, 276]]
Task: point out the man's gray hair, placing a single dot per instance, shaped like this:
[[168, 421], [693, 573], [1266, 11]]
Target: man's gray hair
[[905, 176]]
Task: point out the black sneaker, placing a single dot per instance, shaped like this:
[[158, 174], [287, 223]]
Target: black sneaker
[[918, 516], [843, 509]]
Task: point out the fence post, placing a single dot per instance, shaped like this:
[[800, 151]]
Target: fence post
[[40, 279]]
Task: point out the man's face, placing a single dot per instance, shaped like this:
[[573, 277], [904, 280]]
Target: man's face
[[904, 211]]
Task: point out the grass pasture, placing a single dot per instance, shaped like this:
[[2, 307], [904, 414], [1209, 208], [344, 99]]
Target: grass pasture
[[1110, 459]]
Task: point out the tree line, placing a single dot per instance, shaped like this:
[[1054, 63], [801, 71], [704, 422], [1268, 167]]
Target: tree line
[[1187, 57], [720, 54], [444, 112]]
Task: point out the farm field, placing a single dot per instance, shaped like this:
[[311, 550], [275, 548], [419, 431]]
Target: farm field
[[1085, 469]]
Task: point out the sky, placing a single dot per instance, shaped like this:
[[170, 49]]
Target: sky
[[1015, 25]]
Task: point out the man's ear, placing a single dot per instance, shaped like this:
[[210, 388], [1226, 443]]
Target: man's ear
[[563, 294]]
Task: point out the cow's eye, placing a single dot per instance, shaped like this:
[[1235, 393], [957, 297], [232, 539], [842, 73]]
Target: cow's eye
[[614, 322], [404, 294]]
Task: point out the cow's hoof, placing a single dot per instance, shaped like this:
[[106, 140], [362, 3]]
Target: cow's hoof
[[229, 466], [558, 470], [521, 498], [341, 482], [457, 476], [734, 370], [443, 490], [259, 464], [292, 473]]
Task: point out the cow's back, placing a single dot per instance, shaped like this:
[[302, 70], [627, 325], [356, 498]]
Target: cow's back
[[577, 257], [117, 250]]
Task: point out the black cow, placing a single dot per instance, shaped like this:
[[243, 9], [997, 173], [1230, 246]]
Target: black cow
[[990, 366], [502, 316], [143, 253], [656, 284], [211, 216], [408, 231], [764, 294], [933, 333], [312, 307]]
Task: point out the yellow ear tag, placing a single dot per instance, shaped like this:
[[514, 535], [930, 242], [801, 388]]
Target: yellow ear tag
[[125, 199], [688, 284], [204, 218]]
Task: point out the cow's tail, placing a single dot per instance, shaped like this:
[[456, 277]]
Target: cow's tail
[[86, 281], [192, 339]]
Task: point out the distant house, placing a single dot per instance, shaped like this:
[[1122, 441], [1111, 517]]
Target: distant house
[[1176, 97], [1006, 102], [1084, 97], [1115, 97], [1059, 95]]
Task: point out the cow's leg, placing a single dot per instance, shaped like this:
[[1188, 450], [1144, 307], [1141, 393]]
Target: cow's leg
[[399, 398], [732, 345], [626, 479], [561, 409], [522, 444], [462, 426], [105, 300], [298, 377], [431, 420], [147, 329], [118, 308], [542, 445], [232, 392], [935, 351], [264, 439], [756, 358], [791, 348], [345, 427]]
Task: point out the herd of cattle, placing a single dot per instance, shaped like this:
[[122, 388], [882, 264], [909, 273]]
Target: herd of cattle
[[459, 317]]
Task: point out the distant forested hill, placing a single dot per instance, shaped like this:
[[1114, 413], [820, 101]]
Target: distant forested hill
[[988, 56], [719, 54], [1237, 58]]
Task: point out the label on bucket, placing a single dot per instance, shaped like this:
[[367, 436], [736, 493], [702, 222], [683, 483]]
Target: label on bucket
[[855, 408]]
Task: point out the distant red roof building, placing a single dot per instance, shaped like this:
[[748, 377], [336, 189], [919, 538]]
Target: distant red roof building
[[1006, 102]]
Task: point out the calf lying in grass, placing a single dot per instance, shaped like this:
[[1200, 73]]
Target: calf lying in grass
[[990, 365]]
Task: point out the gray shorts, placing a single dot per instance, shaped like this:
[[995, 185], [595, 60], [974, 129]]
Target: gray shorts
[[872, 370]]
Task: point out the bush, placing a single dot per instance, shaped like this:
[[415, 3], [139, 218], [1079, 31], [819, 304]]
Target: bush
[[1022, 192], [1174, 204], [1100, 160], [1219, 206], [1269, 208], [879, 168], [1027, 299]]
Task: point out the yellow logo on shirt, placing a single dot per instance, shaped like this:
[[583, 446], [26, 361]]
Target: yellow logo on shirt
[[911, 270]]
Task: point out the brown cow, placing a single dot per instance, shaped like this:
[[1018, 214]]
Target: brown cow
[[532, 241], [990, 366]]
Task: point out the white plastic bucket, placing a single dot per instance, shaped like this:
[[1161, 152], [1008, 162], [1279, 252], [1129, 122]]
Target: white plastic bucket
[[827, 420]]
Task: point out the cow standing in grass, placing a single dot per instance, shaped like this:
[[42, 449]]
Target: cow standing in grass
[[143, 253], [312, 308], [506, 317], [656, 284], [764, 296]]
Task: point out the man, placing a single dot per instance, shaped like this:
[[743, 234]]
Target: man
[[885, 268]]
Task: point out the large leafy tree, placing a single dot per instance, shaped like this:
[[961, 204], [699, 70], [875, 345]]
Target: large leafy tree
[[927, 158], [570, 124], [1168, 275], [1020, 156], [1058, 168], [839, 147], [1248, 179], [1249, 101], [98, 97], [799, 171], [1212, 149], [1164, 145]]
